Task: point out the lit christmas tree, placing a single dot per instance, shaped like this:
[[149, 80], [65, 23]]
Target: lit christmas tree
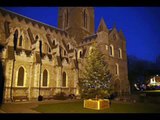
[[96, 77]]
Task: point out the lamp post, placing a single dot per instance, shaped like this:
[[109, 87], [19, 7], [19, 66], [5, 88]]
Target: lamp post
[[15, 39], [2, 79], [77, 67], [40, 98], [12, 80]]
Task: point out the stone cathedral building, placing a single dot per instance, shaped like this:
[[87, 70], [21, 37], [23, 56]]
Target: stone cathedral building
[[63, 52]]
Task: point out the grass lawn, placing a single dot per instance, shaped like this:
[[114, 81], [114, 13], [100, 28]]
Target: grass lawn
[[152, 91], [77, 107]]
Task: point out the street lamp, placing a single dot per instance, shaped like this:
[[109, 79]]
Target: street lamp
[[15, 39], [40, 98]]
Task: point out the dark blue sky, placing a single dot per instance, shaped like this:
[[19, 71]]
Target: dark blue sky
[[141, 25]]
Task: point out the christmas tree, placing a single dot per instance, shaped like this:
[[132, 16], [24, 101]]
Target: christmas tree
[[96, 77]]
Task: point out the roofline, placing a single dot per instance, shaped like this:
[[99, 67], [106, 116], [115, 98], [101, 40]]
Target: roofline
[[32, 19]]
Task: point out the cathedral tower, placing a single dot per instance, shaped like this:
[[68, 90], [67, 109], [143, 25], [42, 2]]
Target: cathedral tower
[[77, 21]]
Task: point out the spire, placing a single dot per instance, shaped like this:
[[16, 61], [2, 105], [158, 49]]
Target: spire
[[121, 34], [114, 27], [102, 26]]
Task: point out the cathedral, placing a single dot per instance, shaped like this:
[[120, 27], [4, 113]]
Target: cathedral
[[39, 59]]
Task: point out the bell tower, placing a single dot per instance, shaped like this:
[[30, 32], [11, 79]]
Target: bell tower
[[77, 21]]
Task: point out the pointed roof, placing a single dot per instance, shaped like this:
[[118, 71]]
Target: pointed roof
[[121, 35], [114, 27], [89, 38], [65, 59], [74, 64], [27, 19], [102, 26], [50, 41], [64, 44], [31, 36], [50, 57]]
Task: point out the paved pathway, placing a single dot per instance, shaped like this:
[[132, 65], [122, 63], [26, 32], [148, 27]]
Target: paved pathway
[[26, 107]]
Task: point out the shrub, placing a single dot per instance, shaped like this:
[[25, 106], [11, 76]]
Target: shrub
[[113, 96], [60, 96], [71, 96]]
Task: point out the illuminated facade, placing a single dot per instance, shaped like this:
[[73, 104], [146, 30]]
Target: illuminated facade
[[63, 52], [154, 81]]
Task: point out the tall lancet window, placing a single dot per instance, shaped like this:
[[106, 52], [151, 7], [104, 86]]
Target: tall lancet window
[[111, 50], [45, 78], [7, 30], [80, 54], [54, 42], [49, 50], [117, 69], [64, 79], [20, 81], [20, 41], [85, 18], [119, 53], [15, 39]]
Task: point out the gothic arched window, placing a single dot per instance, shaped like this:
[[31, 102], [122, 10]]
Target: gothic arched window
[[49, 49], [20, 40], [119, 53], [68, 46], [40, 47], [111, 50], [76, 55], [65, 53], [90, 50], [7, 30], [80, 54], [20, 81], [36, 38], [15, 39], [117, 69], [54, 42], [64, 80], [45, 77]]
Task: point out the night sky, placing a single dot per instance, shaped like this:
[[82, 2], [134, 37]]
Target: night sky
[[140, 25]]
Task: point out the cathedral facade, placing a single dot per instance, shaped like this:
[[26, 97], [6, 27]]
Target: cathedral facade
[[39, 59]]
